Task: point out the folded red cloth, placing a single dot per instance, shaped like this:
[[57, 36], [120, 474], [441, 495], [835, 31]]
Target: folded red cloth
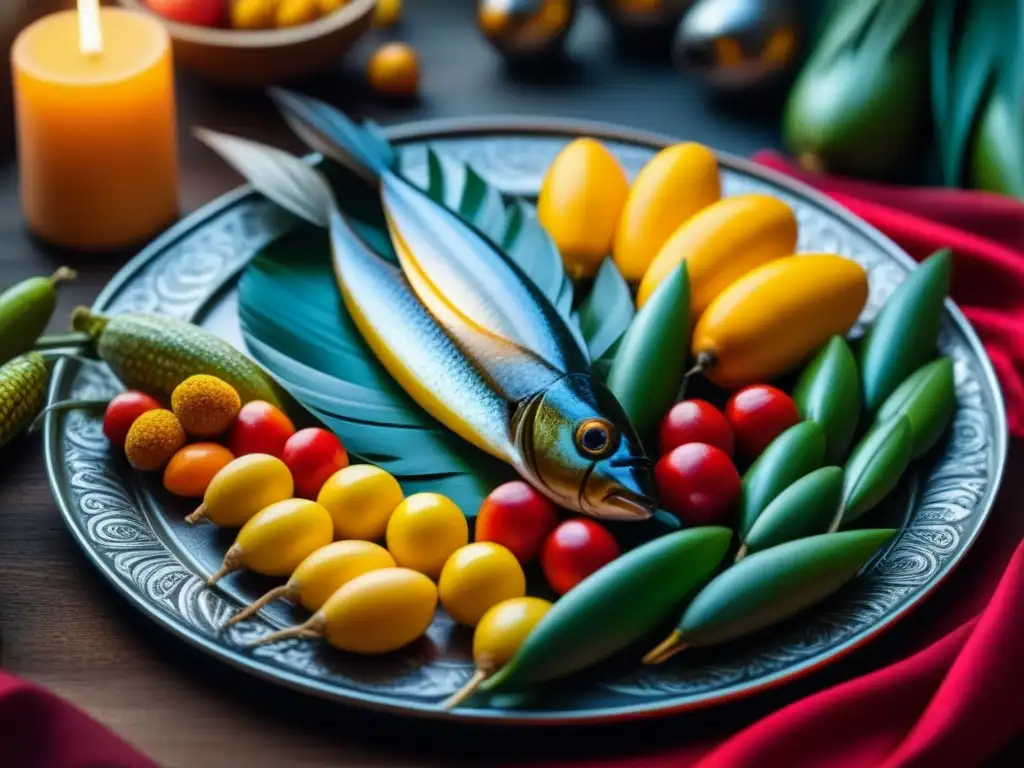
[[40, 730]]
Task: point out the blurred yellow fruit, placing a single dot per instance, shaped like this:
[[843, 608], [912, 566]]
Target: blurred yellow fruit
[[387, 12], [294, 13], [394, 70], [253, 14], [424, 531], [329, 6]]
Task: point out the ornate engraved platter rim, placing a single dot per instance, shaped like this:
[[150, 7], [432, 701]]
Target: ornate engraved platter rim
[[508, 128]]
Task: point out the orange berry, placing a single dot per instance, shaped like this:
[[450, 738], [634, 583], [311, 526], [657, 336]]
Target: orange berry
[[192, 468], [394, 70]]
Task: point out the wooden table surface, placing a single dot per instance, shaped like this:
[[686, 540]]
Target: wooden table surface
[[64, 627]]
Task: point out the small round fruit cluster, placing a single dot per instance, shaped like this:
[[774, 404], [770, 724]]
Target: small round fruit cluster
[[209, 412], [696, 475]]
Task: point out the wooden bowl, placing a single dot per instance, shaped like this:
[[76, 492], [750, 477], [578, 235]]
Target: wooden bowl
[[265, 57]]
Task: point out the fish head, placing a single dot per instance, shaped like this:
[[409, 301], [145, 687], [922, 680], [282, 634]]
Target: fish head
[[580, 449]]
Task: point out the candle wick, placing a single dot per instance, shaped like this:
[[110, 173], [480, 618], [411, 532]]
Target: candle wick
[[90, 34]]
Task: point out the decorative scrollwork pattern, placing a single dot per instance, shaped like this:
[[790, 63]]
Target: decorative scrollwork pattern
[[121, 523]]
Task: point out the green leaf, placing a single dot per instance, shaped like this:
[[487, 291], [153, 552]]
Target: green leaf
[[892, 21], [973, 72], [607, 311], [648, 369], [796, 452], [845, 27], [773, 585], [287, 180], [828, 392], [615, 606], [806, 508], [996, 161], [928, 399], [876, 466], [904, 334], [943, 32], [295, 325]]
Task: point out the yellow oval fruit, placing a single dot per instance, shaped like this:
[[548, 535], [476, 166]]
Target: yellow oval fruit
[[502, 630], [773, 317], [423, 532], [380, 611], [331, 567], [321, 574], [676, 183], [722, 243], [277, 539], [477, 577], [580, 202], [242, 488], [360, 498]]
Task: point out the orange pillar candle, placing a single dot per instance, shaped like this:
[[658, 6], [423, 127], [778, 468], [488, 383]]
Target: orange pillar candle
[[95, 118]]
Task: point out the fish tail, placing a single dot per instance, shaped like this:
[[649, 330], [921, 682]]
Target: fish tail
[[331, 133]]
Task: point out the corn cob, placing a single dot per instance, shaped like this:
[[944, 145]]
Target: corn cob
[[155, 354], [22, 392]]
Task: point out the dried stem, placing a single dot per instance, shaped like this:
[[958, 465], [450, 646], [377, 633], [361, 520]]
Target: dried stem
[[284, 590], [232, 562], [668, 648], [63, 275], [467, 690], [740, 553], [311, 630], [194, 517]]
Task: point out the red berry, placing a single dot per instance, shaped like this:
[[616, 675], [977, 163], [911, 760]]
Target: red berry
[[574, 550], [518, 517], [313, 455], [699, 483], [695, 421], [260, 428], [121, 413], [758, 414]]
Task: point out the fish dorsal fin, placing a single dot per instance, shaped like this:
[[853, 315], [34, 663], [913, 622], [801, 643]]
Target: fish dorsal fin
[[475, 277], [418, 354], [514, 372]]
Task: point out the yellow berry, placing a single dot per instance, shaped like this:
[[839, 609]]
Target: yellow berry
[[387, 13], [424, 531], [477, 577], [153, 439], [294, 13], [205, 405], [360, 498], [253, 14], [394, 70]]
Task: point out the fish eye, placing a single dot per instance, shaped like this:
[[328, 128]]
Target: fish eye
[[595, 438]]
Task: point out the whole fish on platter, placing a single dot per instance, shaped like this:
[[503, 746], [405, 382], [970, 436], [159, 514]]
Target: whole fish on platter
[[464, 331]]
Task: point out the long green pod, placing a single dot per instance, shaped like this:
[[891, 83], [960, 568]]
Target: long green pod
[[928, 399], [650, 362], [615, 606], [875, 467], [793, 454], [903, 336], [806, 508], [25, 310], [828, 392], [770, 586]]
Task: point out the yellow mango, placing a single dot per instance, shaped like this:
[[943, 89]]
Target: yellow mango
[[580, 202], [775, 316], [721, 243], [675, 184]]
